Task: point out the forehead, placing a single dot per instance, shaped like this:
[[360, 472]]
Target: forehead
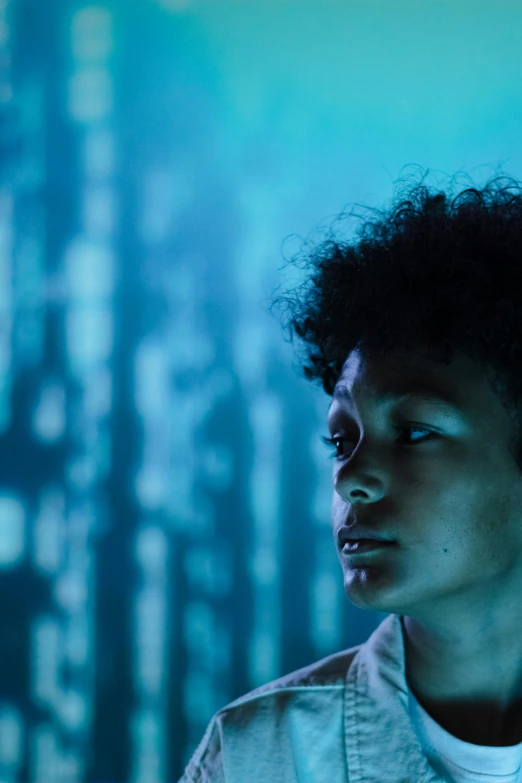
[[461, 383]]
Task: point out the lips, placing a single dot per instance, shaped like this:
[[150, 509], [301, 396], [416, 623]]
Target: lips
[[362, 545], [355, 533]]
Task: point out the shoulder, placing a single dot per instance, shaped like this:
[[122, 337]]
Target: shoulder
[[329, 672], [258, 712]]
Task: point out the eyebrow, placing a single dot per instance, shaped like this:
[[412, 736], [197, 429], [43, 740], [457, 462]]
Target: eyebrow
[[415, 390]]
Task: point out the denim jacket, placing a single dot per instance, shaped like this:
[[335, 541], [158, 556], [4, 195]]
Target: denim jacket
[[344, 719]]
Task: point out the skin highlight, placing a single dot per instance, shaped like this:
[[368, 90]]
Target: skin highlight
[[450, 493]]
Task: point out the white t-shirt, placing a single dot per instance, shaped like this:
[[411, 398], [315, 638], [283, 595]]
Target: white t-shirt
[[462, 762]]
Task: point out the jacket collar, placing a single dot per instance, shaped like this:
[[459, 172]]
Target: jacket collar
[[381, 742]]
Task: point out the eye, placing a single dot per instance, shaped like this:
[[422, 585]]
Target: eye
[[415, 429], [332, 442]]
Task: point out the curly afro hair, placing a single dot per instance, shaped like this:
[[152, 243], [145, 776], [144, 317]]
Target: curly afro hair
[[433, 274]]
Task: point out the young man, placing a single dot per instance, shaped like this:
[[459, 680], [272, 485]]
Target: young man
[[415, 329]]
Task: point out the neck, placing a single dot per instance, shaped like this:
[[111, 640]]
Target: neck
[[468, 680]]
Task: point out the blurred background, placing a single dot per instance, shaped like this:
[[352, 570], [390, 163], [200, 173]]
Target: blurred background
[[165, 539]]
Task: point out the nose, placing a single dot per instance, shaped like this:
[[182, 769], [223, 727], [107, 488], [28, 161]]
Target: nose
[[360, 479], [361, 489]]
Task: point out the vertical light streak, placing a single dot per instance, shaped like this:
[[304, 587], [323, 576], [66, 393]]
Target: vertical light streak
[[63, 641], [150, 659], [265, 420], [327, 590], [6, 230]]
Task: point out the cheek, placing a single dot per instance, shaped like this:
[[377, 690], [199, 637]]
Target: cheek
[[338, 508], [444, 503], [470, 516]]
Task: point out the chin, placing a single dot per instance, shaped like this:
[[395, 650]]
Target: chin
[[374, 588]]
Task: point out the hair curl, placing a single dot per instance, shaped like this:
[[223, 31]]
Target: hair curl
[[432, 274]]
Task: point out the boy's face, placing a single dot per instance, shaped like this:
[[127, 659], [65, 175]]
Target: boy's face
[[452, 500]]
